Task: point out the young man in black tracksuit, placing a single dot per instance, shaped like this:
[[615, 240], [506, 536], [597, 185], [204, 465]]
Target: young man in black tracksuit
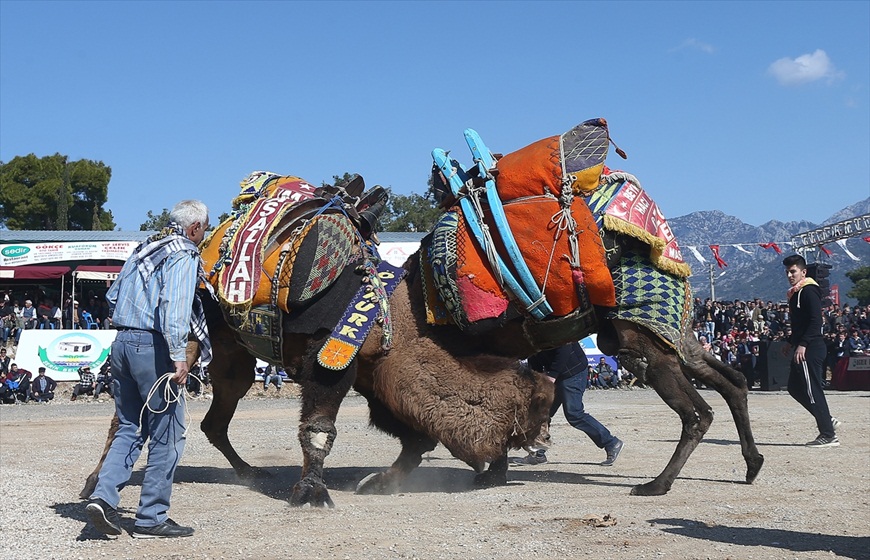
[[805, 381]]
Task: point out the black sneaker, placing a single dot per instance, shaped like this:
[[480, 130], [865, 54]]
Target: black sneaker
[[166, 530], [103, 517], [538, 458], [612, 453], [822, 441]]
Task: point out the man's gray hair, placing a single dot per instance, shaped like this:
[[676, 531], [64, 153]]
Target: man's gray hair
[[188, 212]]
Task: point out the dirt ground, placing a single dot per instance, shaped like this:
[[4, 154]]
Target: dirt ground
[[806, 504]]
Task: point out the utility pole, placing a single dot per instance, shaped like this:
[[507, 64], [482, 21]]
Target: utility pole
[[712, 284]]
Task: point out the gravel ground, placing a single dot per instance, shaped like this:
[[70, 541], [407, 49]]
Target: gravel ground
[[806, 504]]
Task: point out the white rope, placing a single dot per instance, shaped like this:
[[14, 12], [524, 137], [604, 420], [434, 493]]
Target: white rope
[[170, 395], [487, 242]]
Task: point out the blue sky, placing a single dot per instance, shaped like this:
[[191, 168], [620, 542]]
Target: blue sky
[[758, 109]]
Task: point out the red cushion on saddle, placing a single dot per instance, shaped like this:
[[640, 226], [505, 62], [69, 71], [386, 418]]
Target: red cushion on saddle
[[531, 224]]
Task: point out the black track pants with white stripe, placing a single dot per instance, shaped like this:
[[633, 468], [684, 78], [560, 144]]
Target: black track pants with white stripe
[[805, 385]]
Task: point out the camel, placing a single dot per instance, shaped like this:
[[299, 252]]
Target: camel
[[467, 392], [463, 389]]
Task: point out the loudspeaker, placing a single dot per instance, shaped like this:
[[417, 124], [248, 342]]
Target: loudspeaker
[[820, 272], [776, 360]]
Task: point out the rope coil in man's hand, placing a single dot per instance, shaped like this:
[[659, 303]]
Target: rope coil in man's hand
[[170, 395]]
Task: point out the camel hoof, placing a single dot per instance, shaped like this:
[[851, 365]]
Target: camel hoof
[[90, 486], [375, 484], [649, 489], [753, 466], [490, 479], [310, 491]]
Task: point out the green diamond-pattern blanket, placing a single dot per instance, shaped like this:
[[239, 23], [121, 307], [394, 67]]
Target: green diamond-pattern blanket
[[658, 301]]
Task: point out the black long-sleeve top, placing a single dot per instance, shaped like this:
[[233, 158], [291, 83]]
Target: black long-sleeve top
[[805, 307]]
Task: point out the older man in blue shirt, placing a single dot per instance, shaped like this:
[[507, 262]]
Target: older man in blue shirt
[[155, 310]]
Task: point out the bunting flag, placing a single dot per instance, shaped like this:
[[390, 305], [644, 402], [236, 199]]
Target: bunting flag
[[743, 249], [719, 261], [697, 254], [825, 250], [867, 239], [771, 245], [842, 244]]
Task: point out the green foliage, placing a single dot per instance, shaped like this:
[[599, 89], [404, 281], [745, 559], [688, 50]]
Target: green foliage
[[861, 290], [155, 222], [52, 193], [410, 213]]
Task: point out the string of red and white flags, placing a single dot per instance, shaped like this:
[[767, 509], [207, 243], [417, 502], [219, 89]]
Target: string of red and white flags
[[774, 246]]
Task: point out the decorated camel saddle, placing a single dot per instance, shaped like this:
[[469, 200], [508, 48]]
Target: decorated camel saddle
[[286, 244], [522, 236]]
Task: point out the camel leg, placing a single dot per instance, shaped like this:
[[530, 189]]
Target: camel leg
[[232, 374], [495, 475], [414, 445], [732, 386], [91, 482], [678, 393], [323, 390]]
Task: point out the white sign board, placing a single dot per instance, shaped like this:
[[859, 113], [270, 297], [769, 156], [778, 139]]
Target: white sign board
[[63, 352], [397, 253], [859, 363], [18, 254]]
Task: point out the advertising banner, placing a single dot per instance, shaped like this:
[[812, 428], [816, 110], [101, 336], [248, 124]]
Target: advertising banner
[[18, 254], [63, 352]]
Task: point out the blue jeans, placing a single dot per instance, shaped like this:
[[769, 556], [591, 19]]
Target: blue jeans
[[138, 359], [569, 396]]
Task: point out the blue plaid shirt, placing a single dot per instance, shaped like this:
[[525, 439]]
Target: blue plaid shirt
[[163, 304]]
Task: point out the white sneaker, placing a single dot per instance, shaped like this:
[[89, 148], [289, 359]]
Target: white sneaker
[[837, 425]]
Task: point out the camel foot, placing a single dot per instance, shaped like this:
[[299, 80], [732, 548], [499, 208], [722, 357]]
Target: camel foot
[[491, 479], [650, 489], [753, 466], [379, 483], [311, 491], [90, 486]]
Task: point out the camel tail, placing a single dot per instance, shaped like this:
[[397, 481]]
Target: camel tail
[[735, 377]]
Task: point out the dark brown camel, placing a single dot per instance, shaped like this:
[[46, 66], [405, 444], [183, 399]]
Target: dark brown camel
[[438, 384]]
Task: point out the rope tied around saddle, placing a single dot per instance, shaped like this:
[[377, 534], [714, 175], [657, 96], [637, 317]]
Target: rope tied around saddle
[[474, 194], [564, 221]]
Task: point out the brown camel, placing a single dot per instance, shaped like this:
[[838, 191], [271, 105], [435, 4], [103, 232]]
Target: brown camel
[[438, 384], [464, 390]]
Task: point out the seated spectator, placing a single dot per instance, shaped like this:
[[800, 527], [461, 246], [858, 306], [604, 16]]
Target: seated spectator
[[18, 383], [42, 388], [28, 314], [104, 381], [857, 347], [626, 378], [606, 376], [7, 321], [273, 375], [86, 384], [194, 381], [5, 362]]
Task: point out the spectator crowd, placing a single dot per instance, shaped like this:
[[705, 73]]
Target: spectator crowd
[[733, 331]]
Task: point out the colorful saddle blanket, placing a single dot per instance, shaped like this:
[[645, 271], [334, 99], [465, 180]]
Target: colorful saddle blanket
[[538, 184], [657, 300], [621, 205], [285, 243]]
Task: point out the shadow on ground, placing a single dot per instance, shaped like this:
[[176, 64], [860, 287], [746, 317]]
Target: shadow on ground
[[848, 547]]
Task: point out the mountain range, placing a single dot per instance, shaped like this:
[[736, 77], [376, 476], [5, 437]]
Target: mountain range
[[760, 273]]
